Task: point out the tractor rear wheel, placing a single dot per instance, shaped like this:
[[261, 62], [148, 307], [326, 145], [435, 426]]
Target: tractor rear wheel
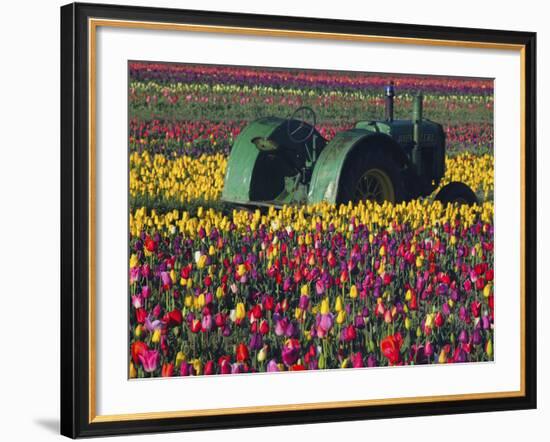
[[456, 192], [370, 176]]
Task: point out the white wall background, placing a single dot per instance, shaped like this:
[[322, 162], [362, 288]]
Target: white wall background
[[29, 219]]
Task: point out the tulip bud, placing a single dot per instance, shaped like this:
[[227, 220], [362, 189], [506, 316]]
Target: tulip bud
[[353, 291]]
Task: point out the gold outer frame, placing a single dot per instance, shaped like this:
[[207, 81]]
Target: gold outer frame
[[93, 24]]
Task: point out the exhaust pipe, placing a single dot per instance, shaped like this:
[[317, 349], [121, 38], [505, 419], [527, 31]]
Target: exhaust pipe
[[390, 93], [417, 118], [417, 134]]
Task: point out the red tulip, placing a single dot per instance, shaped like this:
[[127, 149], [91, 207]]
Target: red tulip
[[475, 307], [264, 327], [173, 318], [167, 370], [438, 319], [150, 245], [196, 326], [209, 368], [242, 352], [141, 315], [224, 362], [138, 348], [391, 346], [297, 367]]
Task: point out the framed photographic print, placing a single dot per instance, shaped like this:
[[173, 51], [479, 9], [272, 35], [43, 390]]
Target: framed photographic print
[[274, 220]]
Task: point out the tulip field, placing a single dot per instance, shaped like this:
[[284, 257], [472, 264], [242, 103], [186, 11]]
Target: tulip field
[[216, 289]]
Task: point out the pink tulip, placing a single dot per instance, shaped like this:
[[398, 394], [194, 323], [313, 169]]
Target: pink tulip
[[149, 360]]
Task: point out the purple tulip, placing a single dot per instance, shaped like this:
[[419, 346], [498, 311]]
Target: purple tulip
[[290, 352], [476, 337], [463, 337], [371, 361], [256, 341], [152, 325], [280, 326], [359, 322]]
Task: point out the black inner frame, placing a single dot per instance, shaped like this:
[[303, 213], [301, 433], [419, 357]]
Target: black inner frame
[[75, 220]]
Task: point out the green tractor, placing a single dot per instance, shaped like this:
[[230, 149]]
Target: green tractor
[[284, 161]]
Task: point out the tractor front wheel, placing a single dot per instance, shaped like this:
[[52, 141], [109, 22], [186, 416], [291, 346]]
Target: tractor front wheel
[[370, 176], [456, 192]]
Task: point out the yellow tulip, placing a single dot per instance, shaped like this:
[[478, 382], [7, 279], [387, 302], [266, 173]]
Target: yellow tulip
[[180, 357], [133, 372], [241, 270], [156, 336], [197, 366], [240, 311], [133, 260], [339, 305], [325, 306]]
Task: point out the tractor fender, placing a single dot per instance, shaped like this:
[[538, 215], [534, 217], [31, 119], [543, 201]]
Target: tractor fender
[[242, 160], [332, 161]]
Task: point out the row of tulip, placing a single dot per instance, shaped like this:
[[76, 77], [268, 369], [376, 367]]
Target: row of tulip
[[197, 137], [157, 179], [219, 102], [284, 78], [310, 288]]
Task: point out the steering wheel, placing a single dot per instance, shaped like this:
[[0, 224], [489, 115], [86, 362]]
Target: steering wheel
[[298, 121]]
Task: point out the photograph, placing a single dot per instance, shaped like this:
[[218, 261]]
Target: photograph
[[280, 220], [286, 219]]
